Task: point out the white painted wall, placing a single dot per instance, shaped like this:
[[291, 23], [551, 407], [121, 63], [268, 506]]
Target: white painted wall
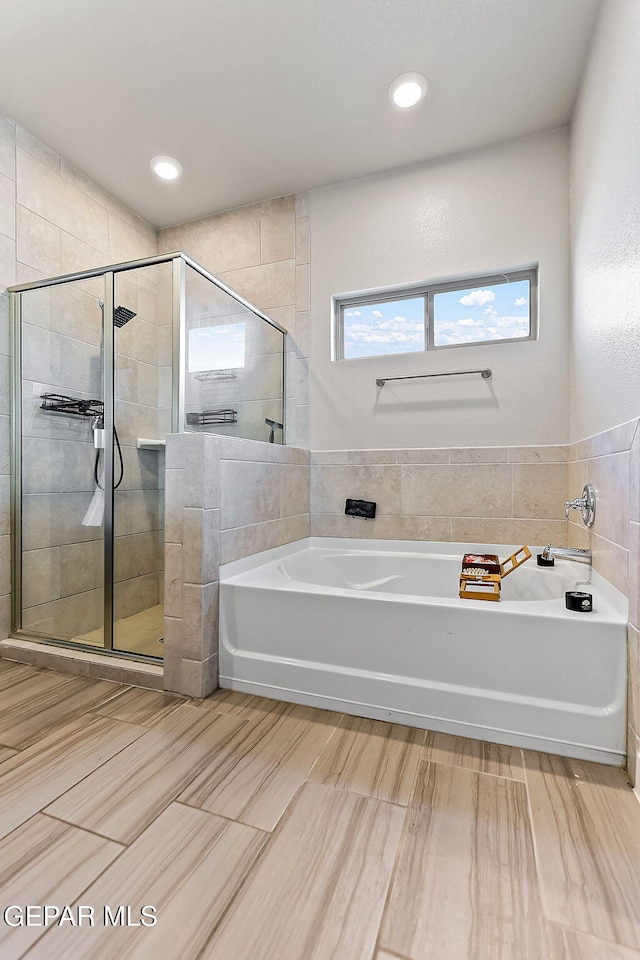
[[605, 227], [485, 211]]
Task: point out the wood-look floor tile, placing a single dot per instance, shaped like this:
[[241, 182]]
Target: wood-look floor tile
[[371, 757], [122, 798], [586, 824], [257, 773], [568, 944], [37, 706], [6, 752], [188, 865], [238, 704], [385, 955], [136, 705], [34, 777], [46, 862], [465, 882], [478, 755], [318, 891]]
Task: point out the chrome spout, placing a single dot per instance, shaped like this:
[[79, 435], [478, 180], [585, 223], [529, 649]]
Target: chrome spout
[[567, 553]]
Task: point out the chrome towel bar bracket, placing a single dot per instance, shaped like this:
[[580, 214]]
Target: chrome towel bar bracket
[[485, 374]]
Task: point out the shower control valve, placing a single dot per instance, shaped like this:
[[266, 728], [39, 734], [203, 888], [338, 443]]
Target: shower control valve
[[586, 504]]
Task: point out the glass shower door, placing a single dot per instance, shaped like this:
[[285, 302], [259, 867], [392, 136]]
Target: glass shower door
[[142, 419], [61, 547]]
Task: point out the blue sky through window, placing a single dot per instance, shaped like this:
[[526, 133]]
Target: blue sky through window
[[497, 312], [378, 329]]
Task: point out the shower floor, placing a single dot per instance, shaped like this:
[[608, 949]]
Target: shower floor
[[139, 633]]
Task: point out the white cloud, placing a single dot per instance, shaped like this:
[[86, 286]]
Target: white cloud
[[478, 298], [470, 322], [377, 314], [352, 313], [520, 302]]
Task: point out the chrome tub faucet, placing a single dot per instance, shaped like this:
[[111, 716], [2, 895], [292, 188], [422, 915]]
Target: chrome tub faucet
[[567, 553]]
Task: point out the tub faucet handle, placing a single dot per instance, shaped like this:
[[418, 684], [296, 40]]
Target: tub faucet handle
[[586, 504]]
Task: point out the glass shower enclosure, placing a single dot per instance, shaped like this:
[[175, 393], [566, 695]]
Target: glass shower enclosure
[[106, 363]]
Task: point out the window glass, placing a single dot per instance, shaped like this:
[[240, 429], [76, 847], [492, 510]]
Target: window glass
[[499, 311], [379, 329]]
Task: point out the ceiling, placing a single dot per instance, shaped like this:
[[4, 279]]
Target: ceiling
[[262, 98]]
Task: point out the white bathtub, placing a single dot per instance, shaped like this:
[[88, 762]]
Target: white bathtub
[[376, 629]]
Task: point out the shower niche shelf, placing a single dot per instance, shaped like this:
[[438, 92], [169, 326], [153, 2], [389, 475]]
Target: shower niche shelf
[[143, 443]]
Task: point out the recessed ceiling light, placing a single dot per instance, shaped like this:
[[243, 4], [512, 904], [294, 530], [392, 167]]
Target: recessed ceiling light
[[166, 167], [407, 89]]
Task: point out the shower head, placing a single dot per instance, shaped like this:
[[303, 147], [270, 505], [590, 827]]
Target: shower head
[[121, 316]]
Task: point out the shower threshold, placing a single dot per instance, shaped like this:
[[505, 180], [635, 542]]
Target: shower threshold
[[140, 633]]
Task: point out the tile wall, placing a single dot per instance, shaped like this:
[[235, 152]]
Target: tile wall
[[262, 251], [53, 220], [611, 462], [505, 495], [225, 499]]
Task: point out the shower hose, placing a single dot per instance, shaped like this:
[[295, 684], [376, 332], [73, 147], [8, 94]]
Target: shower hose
[[97, 464]]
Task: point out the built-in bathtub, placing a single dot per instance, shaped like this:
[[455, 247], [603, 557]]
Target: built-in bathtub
[[376, 629]]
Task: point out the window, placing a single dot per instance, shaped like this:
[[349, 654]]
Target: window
[[439, 315]]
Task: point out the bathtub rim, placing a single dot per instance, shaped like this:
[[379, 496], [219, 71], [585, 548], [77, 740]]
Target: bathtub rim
[[236, 571]]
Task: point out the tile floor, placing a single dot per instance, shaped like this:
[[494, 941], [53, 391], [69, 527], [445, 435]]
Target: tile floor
[[260, 830], [139, 633]]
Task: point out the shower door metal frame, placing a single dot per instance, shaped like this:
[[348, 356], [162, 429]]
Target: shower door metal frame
[[179, 262]]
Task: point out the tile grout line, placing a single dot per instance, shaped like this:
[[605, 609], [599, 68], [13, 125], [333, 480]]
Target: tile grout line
[[74, 826], [593, 936]]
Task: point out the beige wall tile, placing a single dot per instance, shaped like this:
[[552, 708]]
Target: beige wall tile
[[331, 485], [127, 243], [245, 541], [634, 574], [40, 576], [137, 555], [368, 456], [48, 195], [633, 691], [610, 477], [81, 566], [277, 235], [173, 580], [539, 490], [7, 206], [269, 285], [303, 287], [478, 455], [26, 141], [474, 490], [303, 240], [5, 506], [531, 532], [294, 490], [250, 493], [7, 262], [437, 529], [634, 478], [302, 335], [615, 440], [133, 596], [612, 561], [199, 621], [229, 241], [435, 455], [554, 452], [7, 147]]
